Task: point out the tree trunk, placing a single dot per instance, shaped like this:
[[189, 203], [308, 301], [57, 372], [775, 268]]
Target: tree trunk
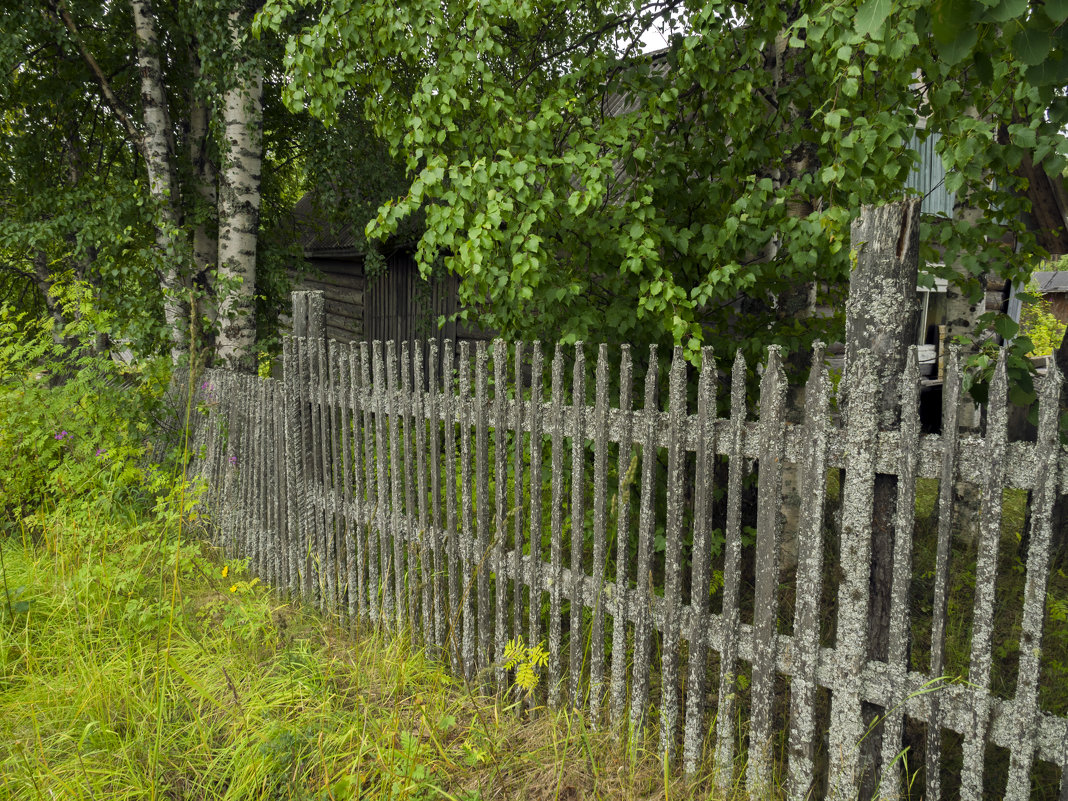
[[205, 232], [962, 315], [158, 148], [239, 211], [881, 316]]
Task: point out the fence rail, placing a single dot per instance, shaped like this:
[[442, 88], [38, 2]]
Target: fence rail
[[468, 512]]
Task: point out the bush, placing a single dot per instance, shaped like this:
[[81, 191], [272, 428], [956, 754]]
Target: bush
[[1038, 323], [70, 418]]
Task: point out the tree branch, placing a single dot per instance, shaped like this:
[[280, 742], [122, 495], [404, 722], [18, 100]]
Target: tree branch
[[62, 17]]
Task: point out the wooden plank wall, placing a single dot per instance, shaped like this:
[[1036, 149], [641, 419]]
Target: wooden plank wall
[[396, 306], [421, 507]]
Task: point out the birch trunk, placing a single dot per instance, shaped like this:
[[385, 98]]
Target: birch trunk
[[205, 238], [239, 212], [158, 148]]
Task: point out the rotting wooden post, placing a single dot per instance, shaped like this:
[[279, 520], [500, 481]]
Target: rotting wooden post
[[881, 317]]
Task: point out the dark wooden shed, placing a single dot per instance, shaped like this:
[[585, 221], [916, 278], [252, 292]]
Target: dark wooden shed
[[395, 303]]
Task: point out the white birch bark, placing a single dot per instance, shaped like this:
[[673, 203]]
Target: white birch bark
[[239, 211], [159, 153]]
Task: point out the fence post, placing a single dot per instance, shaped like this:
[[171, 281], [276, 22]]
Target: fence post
[[881, 317]]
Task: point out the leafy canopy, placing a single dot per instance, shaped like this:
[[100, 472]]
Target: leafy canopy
[[582, 190]]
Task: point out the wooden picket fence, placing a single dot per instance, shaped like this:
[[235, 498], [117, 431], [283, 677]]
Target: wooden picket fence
[[419, 504]]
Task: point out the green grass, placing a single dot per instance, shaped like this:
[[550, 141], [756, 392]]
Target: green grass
[[131, 667]]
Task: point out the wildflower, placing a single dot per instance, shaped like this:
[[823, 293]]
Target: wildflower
[[233, 460], [62, 435], [225, 570], [233, 588], [101, 452]]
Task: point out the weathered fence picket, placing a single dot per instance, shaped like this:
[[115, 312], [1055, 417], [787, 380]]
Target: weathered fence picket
[[500, 527], [730, 619], [643, 613], [621, 614], [1026, 702], [600, 524], [556, 556], [468, 556], [803, 685], [766, 601], [387, 497], [534, 420], [577, 528], [700, 566]]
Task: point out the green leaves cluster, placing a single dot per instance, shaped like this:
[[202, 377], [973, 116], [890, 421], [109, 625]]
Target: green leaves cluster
[[584, 191], [525, 661], [69, 417]]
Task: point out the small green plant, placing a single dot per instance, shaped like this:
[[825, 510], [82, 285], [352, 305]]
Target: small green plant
[[1038, 324], [238, 608], [525, 662]]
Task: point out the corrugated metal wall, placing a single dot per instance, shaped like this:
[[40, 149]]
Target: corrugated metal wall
[[402, 306], [929, 178]]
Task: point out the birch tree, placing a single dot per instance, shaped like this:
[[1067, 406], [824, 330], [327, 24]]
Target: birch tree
[[239, 206], [158, 150]]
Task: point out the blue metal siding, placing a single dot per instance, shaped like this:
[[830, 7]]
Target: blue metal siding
[[929, 178]]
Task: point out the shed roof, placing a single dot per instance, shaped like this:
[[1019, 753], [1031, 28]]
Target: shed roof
[[317, 236], [1051, 281]]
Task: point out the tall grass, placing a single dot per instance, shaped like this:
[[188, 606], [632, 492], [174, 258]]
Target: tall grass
[[136, 662]]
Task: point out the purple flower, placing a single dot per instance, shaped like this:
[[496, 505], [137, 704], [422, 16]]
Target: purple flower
[[62, 435], [233, 460], [100, 452]]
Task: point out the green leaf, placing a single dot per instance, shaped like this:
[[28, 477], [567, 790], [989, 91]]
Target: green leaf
[[957, 49], [1053, 71], [1056, 10], [870, 16], [1031, 45], [984, 69], [950, 19], [1006, 327], [1008, 9]]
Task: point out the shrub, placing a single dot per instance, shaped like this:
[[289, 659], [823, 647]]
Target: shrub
[[1038, 323], [70, 418]]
